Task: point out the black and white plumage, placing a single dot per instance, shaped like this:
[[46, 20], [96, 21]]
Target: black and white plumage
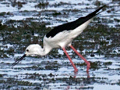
[[72, 25], [62, 36]]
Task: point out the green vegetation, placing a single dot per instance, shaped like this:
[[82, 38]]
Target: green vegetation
[[42, 5], [24, 35]]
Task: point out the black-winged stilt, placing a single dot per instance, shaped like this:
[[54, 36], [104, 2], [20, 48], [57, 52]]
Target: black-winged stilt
[[62, 36]]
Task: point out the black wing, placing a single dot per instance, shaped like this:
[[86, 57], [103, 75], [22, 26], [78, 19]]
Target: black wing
[[74, 24]]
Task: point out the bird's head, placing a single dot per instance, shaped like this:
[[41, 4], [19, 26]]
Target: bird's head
[[31, 50]]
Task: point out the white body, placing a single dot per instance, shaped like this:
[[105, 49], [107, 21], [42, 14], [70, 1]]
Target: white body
[[61, 39]]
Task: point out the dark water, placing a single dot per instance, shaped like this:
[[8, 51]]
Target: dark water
[[26, 22]]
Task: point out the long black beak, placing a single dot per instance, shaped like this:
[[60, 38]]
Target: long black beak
[[18, 60]]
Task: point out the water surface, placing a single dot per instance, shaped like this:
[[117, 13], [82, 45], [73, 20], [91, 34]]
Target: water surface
[[26, 22]]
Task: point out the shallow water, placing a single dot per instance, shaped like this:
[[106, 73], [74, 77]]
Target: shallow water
[[58, 74], [25, 22]]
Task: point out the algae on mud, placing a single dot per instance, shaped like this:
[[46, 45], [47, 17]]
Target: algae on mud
[[99, 40]]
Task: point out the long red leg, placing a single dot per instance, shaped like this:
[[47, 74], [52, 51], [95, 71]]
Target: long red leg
[[88, 64], [76, 70]]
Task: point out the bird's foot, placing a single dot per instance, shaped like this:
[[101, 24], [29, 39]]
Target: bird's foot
[[76, 70]]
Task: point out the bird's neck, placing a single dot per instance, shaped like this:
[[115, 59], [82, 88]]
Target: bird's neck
[[45, 50]]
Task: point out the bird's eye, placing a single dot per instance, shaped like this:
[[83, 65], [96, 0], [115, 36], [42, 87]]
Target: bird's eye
[[27, 50]]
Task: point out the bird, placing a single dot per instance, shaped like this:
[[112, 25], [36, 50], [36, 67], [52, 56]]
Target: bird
[[61, 37]]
